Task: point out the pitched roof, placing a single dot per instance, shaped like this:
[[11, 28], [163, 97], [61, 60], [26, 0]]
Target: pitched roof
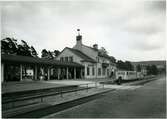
[[103, 55], [35, 60], [90, 47], [82, 55], [99, 53]]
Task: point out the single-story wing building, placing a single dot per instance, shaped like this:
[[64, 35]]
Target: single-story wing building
[[24, 68]]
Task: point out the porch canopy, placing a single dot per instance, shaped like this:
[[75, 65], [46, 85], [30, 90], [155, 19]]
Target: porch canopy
[[5, 58]]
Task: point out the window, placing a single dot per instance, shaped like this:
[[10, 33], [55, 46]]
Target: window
[[108, 72], [93, 71], [66, 59], [99, 71], [97, 59], [62, 59], [87, 70], [71, 59], [104, 71]]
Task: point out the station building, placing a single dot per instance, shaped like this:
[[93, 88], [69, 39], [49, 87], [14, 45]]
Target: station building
[[96, 64]]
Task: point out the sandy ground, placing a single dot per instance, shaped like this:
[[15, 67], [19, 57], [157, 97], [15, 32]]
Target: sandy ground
[[147, 101]]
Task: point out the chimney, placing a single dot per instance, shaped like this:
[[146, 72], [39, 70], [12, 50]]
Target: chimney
[[95, 46], [79, 38]]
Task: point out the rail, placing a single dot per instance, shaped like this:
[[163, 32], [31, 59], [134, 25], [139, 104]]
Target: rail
[[42, 95]]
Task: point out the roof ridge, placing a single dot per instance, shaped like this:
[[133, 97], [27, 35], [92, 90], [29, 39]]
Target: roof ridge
[[90, 47]]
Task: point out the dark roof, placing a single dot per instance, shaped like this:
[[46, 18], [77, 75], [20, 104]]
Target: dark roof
[[35, 60], [82, 55], [104, 55]]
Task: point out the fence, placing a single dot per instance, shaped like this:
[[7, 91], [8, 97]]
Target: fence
[[14, 102]]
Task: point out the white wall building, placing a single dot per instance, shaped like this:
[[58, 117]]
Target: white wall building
[[96, 64]]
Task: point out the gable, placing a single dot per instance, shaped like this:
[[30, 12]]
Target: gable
[[77, 55], [82, 55], [68, 53]]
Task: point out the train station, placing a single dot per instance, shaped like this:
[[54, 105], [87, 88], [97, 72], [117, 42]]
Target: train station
[[113, 67], [79, 62]]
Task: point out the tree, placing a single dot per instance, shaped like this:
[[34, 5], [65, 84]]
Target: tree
[[44, 53], [112, 59], [154, 70], [10, 46], [50, 56], [24, 44], [148, 68], [33, 51], [124, 65], [4, 47], [120, 64], [103, 51], [138, 68], [128, 66], [24, 49], [56, 53]]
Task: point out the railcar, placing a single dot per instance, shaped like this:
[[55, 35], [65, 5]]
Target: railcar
[[128, 75]]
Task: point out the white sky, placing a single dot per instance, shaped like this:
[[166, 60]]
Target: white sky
[[129, 29]]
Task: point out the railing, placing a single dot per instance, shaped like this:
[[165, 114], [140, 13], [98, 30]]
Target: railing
[[60, 92]]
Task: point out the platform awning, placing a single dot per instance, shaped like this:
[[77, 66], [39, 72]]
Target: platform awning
[[34, 60]]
